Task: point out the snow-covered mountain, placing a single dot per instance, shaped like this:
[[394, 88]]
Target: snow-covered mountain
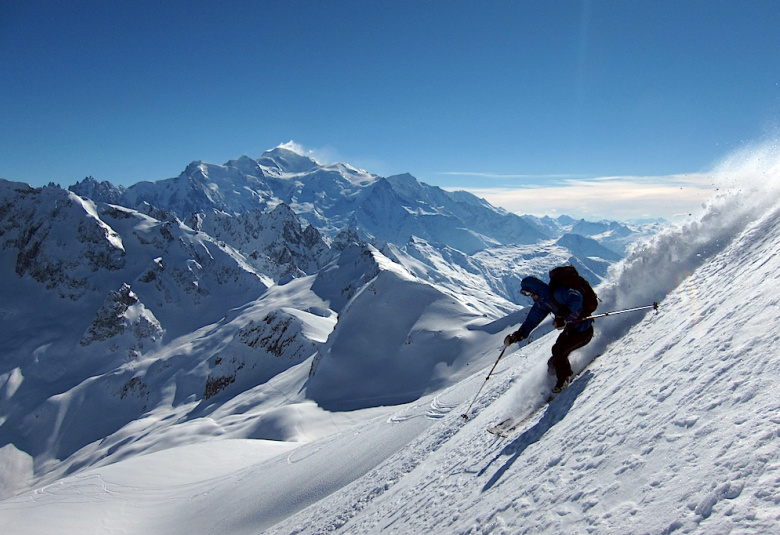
[[189, 292], [398, 212], [672, 426], [275, 243]]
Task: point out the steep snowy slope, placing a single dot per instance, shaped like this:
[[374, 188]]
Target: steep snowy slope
[[378, 356], [673, 428]]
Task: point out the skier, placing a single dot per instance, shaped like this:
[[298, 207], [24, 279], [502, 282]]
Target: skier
[[570, 299]]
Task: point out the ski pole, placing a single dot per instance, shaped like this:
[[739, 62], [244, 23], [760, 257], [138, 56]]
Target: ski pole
[[465, 415], [654, 306]]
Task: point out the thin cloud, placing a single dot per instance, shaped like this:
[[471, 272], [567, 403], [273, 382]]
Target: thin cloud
[[621, 198], [505, 176]]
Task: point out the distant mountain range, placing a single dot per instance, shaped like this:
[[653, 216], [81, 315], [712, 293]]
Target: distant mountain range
[[338, 196]]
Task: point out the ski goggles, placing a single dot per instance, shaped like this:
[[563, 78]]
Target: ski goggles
[[527, 293]]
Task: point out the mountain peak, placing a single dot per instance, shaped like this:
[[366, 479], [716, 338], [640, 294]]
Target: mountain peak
[[98, 191], [287, 160], [246, 165]]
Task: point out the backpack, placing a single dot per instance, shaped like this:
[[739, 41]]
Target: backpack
[[567, 277]]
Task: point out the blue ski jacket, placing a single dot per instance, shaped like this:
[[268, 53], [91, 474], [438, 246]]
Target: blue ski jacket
[[544, 305]]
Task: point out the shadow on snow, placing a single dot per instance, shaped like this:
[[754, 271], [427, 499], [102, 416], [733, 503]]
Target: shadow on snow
[[556, 411]]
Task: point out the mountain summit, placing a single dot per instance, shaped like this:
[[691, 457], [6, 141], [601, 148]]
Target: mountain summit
[[286, 161]]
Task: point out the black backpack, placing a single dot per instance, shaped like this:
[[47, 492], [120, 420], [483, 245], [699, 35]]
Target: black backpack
[[567, 277]]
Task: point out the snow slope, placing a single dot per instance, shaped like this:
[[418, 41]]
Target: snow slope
[[673, 428], [127, 329]]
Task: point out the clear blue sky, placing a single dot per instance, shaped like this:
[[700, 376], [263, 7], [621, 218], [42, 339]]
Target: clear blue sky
[[462, 94]]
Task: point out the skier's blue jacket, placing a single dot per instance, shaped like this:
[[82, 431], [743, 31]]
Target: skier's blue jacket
[[545, 304]]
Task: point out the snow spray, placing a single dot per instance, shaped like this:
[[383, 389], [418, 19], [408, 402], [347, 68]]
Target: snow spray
[[748, 184]]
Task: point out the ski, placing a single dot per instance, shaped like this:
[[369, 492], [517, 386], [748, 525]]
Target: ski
[[506, 428], [502, 427]]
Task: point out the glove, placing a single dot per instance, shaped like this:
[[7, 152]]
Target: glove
[[559, 322], [517, 336], [560, 317]]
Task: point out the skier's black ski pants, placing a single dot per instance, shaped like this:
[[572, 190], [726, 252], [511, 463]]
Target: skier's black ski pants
[[567, 341]]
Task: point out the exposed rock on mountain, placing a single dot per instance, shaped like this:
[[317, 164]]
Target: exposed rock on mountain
[[57, 238], [274, 243], [123, 313]]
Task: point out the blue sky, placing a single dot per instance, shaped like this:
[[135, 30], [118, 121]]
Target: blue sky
[[494, 97]]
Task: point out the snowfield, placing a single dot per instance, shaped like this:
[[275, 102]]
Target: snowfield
[[672, 426]]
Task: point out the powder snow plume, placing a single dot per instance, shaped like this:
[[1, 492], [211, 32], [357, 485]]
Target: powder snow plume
[[749, 182]]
